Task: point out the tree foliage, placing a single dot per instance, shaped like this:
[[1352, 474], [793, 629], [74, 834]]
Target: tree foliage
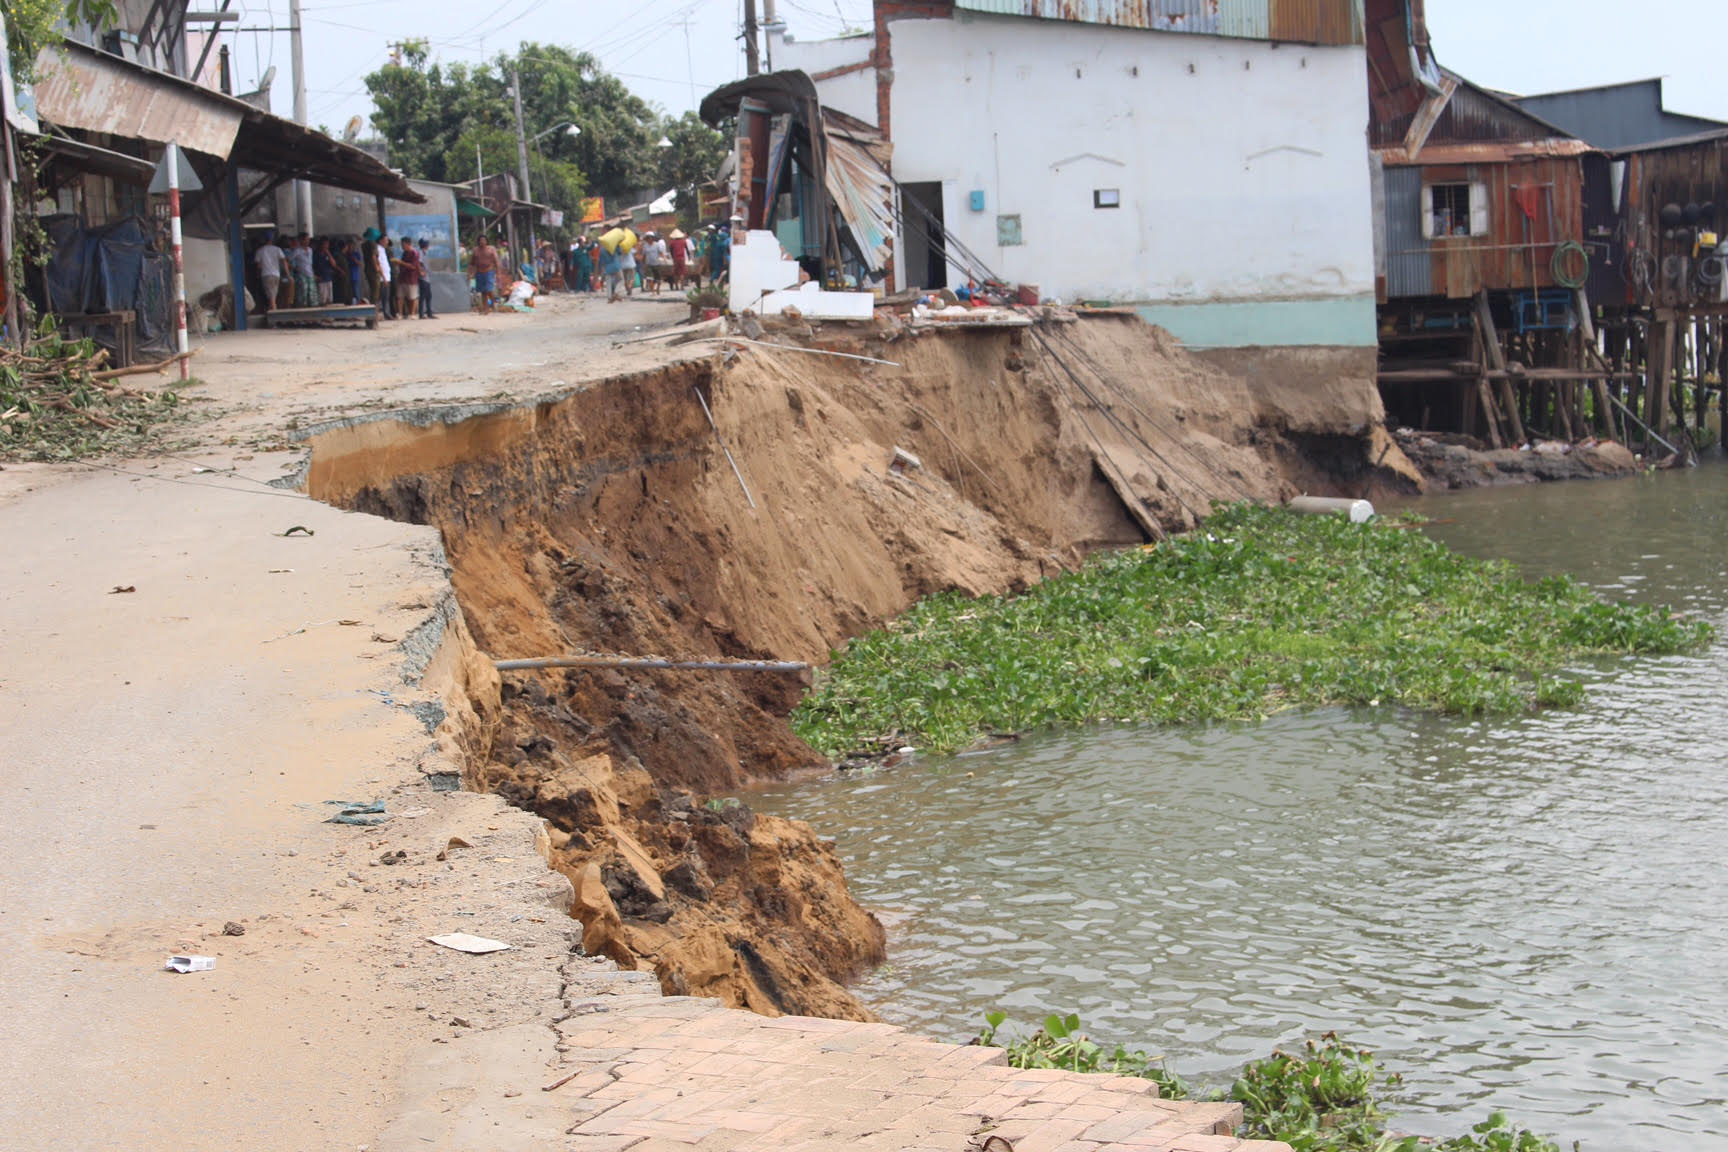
[[433, 115], [692, 159], [32, 25]]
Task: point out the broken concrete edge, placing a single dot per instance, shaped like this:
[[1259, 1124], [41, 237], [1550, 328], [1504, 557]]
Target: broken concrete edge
[[457, 412]]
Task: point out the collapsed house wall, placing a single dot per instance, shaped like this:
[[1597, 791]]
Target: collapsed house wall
[[610, 520]]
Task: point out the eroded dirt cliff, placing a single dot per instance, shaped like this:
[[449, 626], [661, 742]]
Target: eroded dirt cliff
[[609, 520]]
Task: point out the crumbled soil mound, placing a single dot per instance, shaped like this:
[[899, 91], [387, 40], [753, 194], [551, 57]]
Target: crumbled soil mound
[[609, 520], [1448, 460]]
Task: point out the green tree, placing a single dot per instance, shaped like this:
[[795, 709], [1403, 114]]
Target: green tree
[[692, 159], [432, 115], [32, 25]]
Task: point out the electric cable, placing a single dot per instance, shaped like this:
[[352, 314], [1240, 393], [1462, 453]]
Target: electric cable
[[195, 484], [1225, 480], [1110, 417], [1116, 422], [951, 241]]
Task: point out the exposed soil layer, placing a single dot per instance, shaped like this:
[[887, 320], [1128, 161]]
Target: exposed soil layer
[[610, 520]]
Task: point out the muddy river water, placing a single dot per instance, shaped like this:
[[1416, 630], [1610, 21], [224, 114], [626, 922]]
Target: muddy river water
[[1528, 914]]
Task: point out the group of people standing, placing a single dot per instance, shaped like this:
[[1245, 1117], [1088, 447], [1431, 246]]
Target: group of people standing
[[373, 269], [619, 261], [369, 269]]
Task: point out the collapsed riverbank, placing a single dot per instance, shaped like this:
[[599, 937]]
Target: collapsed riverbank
[[609, 519]]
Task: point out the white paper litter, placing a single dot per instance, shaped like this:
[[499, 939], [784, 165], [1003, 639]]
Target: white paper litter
[[190, 963], [463, 942]]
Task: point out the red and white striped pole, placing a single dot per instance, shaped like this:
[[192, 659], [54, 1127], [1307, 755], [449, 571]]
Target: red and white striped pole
[[179, 264]]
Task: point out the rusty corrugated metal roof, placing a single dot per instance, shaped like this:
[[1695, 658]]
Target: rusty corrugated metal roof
[[862, 191], [94, 91], [1331, 22], [98, 93]]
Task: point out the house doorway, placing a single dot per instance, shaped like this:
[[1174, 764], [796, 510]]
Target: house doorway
[[926, 252]]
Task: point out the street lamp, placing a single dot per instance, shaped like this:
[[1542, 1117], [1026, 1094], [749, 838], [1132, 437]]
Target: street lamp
[[570, 129]]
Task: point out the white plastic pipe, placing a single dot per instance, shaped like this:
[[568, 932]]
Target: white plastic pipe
[[1359, 511]]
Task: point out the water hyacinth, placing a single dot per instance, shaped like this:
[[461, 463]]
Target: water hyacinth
[[1260, 610]]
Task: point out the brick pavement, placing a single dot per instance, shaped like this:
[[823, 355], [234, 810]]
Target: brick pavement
[[647, 1073]]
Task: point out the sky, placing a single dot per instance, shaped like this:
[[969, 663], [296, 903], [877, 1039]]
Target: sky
[[671, 52]]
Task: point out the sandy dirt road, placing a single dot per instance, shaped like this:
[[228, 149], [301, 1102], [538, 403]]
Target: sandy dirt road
[[169, 751]]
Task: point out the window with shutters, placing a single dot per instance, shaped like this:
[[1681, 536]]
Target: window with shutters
[[1455, 210]]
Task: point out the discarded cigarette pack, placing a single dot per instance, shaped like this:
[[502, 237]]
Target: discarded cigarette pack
[[190, 963]]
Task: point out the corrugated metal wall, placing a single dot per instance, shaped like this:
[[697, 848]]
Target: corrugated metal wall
[[1518, 251], [1330, 22], [1317, 21], [1409, 269]]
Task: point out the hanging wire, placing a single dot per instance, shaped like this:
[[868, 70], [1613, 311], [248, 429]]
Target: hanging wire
[[973, 266], [1225, 479]]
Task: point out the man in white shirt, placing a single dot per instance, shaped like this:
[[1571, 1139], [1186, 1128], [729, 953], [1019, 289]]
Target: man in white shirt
[[387, 305], [270, 260], [656, 263]]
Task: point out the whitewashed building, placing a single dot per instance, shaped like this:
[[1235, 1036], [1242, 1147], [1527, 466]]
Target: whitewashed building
[[1203, 161]]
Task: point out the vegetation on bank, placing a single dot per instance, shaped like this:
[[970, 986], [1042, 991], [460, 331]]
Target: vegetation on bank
[[55, 405], [1322, 1099], [1259, 611]]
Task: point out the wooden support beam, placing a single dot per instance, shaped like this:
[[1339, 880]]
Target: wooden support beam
[[1497, 361], [1483, 396], [1660, 368]]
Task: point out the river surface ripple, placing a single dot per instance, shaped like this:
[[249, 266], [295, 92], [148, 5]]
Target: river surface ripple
[[1528, 914]]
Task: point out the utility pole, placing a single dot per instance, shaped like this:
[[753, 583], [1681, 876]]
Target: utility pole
[[522, 160], [752, 50], [302, 189], [769, 21]]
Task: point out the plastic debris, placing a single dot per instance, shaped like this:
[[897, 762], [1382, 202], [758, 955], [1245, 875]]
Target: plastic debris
[[463, 942], [366, 814], [190, 963]]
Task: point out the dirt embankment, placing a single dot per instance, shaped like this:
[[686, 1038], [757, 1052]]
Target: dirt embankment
[[1449, 460], [609, 520]]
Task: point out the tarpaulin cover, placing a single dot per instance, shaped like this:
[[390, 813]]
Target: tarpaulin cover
[[109, 269]]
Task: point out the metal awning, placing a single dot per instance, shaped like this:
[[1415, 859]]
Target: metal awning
[[83, 88], [79, 87], [89, 158]]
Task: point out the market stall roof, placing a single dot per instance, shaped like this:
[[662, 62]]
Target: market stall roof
[[81, 87], [467, 207], [89, 158]]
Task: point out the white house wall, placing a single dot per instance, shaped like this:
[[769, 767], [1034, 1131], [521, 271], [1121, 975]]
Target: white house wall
[[853, 93], [1242, 166]]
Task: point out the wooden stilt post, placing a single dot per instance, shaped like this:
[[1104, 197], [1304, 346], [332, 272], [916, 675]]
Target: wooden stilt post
[[1722, 383], [1497, 361], [1483, 396], [1700, 389], [1587, 337], [1658, 369]]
